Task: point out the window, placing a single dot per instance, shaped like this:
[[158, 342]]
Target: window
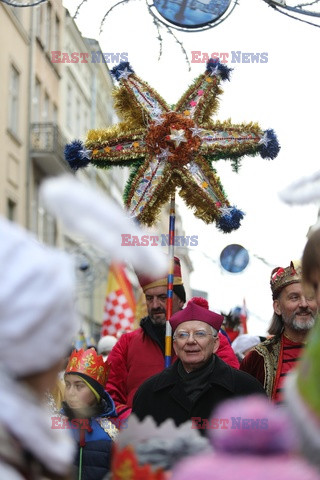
[[85, 122], [43, 224], [55, 115], [14, 100], [47, 38], [56, 35], [69, 107], [36, 101], [46, 108], [11, 209], [38, 20], [78, 118]]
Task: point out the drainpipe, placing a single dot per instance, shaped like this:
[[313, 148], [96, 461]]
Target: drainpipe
[[29, 120], [93, 121]]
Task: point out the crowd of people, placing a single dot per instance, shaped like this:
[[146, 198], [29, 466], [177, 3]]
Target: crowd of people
[[245, 408]]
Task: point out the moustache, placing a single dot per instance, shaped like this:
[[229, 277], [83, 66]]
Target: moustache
[[154, 311], [304, 310]]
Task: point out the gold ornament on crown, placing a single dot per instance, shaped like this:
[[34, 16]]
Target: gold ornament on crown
[[89, 363], [282, 277]]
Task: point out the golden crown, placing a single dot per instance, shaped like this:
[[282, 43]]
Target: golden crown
[[281, 277], [89, 363]]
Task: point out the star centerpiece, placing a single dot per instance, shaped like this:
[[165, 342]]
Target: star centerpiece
[[169, 149]]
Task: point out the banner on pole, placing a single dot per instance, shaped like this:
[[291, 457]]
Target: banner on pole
[[120, 302]]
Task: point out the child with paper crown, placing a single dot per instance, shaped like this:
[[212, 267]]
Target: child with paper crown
[[90, 413]]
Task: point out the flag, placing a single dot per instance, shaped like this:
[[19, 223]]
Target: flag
[[141, 309], [120, 302], [243, 317]]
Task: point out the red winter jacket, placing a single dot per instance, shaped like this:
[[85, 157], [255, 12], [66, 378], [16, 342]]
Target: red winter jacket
[[136, 357]]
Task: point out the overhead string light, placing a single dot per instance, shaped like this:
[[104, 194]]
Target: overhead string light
[[310, 9], [18, 4], [160, 21]]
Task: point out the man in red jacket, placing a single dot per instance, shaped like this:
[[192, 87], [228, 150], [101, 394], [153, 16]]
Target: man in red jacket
[[140, 354]]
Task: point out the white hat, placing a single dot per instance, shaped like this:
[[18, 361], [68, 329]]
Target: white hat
[[37, 319], [106, 343], [244, 342], [88, 213]]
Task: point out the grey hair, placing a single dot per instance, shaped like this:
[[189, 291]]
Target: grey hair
[[213, 330], [276, 326]]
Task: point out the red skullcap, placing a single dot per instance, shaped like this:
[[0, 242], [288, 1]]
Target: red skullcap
[[194, 312]]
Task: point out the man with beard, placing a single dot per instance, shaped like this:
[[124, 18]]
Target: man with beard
[[294, 316], [138, 355]]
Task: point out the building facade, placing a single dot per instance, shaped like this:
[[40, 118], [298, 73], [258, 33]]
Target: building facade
[[48, 100], [14, 85]]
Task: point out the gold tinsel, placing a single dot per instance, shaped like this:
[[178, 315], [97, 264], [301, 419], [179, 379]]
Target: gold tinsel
[[113, 134], [127, 108], [153, 207], [203, 205]]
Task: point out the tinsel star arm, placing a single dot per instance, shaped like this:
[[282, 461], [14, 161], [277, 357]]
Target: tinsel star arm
[[136, 102], [200, 101], [116, 146]]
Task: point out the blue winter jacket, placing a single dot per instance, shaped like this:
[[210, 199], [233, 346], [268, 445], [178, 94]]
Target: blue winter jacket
[[96, 452]]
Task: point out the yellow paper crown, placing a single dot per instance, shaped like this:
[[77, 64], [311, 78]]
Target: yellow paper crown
[[89, 363], [282, 277]]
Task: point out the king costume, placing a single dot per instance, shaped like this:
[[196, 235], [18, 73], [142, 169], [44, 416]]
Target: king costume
[[272, 360]]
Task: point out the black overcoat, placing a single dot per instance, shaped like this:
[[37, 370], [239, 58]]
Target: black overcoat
[[162, 396]]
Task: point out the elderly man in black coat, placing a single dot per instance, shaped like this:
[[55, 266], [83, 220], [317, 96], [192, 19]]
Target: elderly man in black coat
[[199, 380]]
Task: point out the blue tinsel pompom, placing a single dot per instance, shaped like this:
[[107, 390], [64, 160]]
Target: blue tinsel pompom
[[269, 145], [230, 220], [118, 70], [214, 66], [77, 155]]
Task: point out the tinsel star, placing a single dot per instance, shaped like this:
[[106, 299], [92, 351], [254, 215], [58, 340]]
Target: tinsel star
[[173, 148], [177, 136], [196, 131], [125, 74], [264, 140], [165, 153]]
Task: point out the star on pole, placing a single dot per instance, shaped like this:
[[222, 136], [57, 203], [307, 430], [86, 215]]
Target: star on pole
[[172, 148]]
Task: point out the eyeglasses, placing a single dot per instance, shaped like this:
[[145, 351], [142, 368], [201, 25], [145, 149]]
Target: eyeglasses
[[183, 336]]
